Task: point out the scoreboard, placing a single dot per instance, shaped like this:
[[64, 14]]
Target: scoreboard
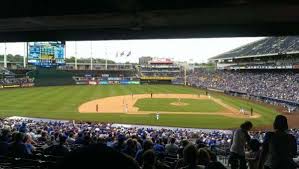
[[46, 54]]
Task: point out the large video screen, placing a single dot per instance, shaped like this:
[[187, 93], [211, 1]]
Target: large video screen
[[46, 54]]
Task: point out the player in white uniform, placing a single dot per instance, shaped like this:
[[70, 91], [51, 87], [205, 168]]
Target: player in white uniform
[[126, 108], [157, 116]]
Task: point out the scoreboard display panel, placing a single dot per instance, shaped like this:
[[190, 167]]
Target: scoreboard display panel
[[46, 54]]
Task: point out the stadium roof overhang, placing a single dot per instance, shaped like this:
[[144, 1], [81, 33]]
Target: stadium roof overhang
[[254, 56], [34, 20]]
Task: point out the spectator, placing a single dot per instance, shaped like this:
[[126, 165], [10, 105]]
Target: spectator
[[158, 147], [4, 141], [190, 158], [147, 145], [17, 147], [275, 86], [149, 160], [71, 139], [279, 147], [171, 148], [130, 148], [97, 156], [91, 134], [237, 150], [203, 157], [44, 137], [60, 149], [214, 164], [28, 143], [120, 144], [254, 154], [184, 143]]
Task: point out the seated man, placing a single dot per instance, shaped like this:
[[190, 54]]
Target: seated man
[[172, 148], [60, 149]]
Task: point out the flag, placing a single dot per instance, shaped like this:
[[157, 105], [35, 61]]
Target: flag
[[122, 53], [129, 53]]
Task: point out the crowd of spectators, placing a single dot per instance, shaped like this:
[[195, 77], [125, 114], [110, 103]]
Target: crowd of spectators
[[147, 147], [15, 81], [283, 85]]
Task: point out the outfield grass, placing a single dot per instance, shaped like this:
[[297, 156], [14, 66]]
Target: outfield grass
[[62, 102], [164, 105]]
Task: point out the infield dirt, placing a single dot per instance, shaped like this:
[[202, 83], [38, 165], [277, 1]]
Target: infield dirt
[[125, 104]]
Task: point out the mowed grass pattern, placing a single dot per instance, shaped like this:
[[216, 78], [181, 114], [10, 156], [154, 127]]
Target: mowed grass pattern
[[164, 105], [61, 102]]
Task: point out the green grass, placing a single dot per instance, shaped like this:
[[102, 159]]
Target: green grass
[[267, 114], [164, 105], [61, 102]]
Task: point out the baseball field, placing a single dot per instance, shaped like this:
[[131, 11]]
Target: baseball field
[[135, 104]]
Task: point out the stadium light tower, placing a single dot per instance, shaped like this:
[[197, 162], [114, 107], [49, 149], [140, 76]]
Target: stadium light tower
[[185, 73], [106, 61], [90, 55], [25, 55], [5, 57], [76, 66]]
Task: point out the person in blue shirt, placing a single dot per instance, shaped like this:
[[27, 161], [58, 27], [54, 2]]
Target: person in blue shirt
[[17, 147], [158, 147]]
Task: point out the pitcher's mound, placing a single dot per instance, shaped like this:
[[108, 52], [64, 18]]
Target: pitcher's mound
[[179, 104]]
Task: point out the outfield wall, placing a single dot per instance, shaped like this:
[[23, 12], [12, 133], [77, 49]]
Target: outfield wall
[[108, 82]]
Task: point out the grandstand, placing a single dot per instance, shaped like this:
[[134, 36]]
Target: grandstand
[[5, 72], [159, 70], [265, 70], [267, 53]]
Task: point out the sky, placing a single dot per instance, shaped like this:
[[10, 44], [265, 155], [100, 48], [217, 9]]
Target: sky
[[192, 50]]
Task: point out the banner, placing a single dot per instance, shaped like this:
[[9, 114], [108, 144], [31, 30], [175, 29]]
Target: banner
[[156, 78], [103, 82], [82, 82], [11, 86], [134, 82], [27, 85], [92, 82], [125, 82]]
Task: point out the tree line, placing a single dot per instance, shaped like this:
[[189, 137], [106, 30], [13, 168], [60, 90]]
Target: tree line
[[19, 58]]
